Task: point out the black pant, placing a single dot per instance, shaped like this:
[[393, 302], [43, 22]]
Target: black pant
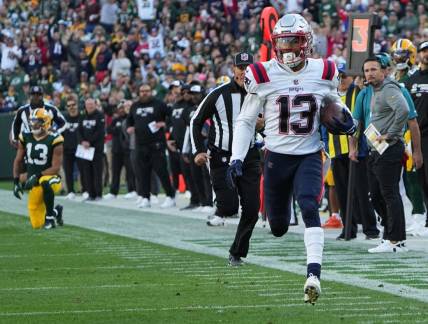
[[68, 163], [227, 201], [120, 160], [203, 187], [154, 188], [361, 206], [340, 168], [384, 172], [249, 194], [152, 157], [190, 184], [175, 167], [93, 172]]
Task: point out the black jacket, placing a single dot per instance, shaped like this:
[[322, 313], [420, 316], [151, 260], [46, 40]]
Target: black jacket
[[92, 129], [177, 124], [142, 115], [120, 141], [70, 134], [417, 85]]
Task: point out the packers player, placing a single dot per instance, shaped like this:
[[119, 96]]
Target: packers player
[[403, 54], [43, 151]]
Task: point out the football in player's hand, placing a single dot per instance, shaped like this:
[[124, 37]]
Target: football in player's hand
[[331, 112]]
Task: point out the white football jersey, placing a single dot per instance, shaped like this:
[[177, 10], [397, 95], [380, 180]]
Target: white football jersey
[[291, 102]]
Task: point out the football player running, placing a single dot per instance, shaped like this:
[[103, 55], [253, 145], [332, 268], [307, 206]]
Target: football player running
[[289, 90], [43, 151]]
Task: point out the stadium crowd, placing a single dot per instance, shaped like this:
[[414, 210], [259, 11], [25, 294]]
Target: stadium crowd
[[100, 56]]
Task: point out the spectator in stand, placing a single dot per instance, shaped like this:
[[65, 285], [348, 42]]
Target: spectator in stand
[[10, 53]]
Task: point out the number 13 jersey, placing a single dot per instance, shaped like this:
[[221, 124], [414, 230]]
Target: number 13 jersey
[[292, 102], [38, 153]]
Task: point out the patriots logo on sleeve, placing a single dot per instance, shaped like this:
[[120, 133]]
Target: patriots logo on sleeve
[[247, 81]]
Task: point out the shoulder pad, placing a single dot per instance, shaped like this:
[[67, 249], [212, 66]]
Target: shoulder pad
[[58, 139], [255, 75], [329, 70]]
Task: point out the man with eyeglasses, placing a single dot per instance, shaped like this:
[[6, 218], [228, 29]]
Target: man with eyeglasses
[[70, 145]]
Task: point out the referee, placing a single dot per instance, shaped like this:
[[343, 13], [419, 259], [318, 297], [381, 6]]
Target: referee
[[222, 107]]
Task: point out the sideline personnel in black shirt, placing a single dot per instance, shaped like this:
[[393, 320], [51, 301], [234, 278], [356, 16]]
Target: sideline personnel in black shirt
[[91, 134], [417, 85], [120, 152], [70, 144], [147, 120]]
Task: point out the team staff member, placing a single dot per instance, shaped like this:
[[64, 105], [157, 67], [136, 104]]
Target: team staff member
[[338, 149], [91, 133], [418, 87], [147, 120], [120, 154], [222, 106], [389, 112], [43, 151], [21, 121], [70, 145], [200, 174], [177, 129]]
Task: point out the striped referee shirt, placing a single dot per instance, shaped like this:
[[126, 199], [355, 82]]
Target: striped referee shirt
[[21, 122], [221, 106]]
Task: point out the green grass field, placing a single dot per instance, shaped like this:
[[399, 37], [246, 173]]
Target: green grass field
[[76, 275]]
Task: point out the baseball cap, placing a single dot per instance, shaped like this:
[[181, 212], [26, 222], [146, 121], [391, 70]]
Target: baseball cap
[[196, 88], [36, 90], [175, 83], [341, 67], [422, 46], [243, 58]]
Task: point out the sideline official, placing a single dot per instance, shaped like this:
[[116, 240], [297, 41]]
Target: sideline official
[[222, 106]]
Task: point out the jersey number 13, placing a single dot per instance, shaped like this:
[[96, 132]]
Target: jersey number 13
[[305, 123]]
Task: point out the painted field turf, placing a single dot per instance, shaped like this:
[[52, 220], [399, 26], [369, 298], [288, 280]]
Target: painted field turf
[[77, 275]]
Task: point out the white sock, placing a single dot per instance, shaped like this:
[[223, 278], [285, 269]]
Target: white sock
[[314, 242]]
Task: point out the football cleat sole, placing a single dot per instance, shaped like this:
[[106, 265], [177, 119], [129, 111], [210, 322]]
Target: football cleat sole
[[311, 295]]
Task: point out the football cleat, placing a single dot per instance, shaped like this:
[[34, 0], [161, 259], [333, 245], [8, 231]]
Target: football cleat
[[216, 221], [235, 261], [49, 222], [312, 289], [58, 217]]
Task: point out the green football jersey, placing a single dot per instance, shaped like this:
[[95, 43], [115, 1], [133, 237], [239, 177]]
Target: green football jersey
[[38, 153]]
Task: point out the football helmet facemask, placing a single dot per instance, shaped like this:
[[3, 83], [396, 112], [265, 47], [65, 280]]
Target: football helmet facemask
[[40, 121], [292, 40]]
